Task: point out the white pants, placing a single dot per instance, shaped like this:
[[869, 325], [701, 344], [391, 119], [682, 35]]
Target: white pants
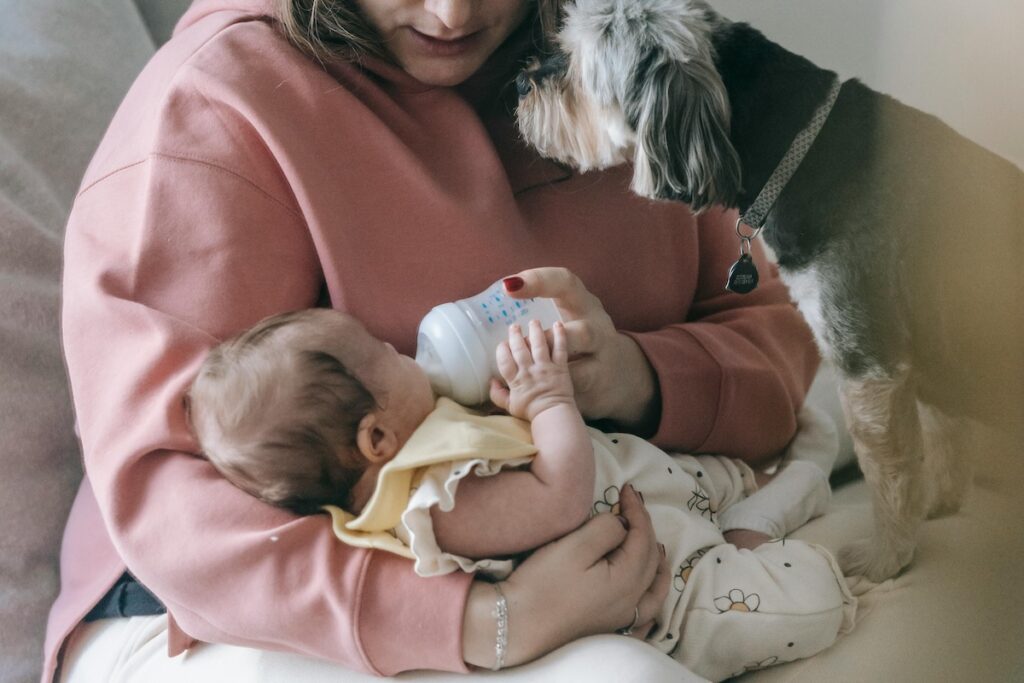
[[134, 650]]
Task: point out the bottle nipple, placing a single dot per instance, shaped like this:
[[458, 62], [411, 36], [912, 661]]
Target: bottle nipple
[[427, 358]]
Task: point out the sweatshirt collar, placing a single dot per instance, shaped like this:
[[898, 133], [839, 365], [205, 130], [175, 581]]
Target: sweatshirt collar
[[489, 91], [497, 73]]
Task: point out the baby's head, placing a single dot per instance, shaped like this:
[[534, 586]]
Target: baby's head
[[304, 409]]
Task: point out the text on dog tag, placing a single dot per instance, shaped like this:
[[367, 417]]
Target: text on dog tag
[[742, 276]]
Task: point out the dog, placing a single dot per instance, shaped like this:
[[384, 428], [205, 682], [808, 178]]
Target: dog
[[900, 240]]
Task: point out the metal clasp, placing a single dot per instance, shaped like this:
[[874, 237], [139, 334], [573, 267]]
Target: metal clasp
[[752, 236], [746, 239]]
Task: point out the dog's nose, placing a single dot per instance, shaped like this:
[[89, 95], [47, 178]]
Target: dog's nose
[[523, 84]]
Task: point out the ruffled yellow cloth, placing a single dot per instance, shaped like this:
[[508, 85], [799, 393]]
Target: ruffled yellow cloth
[[451, 432]]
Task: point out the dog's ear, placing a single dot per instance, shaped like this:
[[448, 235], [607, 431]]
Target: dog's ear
[[680, 112]]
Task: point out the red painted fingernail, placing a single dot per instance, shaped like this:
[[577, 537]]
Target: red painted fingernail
[[624, 521], [513, 284]]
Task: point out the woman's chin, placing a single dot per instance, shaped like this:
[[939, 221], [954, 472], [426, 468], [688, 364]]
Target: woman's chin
[[440, 74]]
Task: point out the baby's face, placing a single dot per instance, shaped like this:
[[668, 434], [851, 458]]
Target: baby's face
[[399, 385]]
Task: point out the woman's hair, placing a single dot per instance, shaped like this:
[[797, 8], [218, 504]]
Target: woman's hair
[[278, 415], [327, 29]]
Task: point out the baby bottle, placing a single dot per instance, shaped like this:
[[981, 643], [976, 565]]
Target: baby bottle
[[457, 341]]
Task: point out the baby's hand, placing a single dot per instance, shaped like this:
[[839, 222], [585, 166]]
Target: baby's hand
[[537, 378]]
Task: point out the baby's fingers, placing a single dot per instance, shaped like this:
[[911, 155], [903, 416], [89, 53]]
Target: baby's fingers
[[538, 343], [499, 394], [506, 363], [517, 345]]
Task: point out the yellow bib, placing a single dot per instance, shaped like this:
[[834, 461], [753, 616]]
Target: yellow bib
[[451, 432]]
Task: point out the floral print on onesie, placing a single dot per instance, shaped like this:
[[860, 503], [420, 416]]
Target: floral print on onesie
[[728, 610]]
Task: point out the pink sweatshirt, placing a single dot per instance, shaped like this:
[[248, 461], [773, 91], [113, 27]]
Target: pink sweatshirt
[[241, 179]]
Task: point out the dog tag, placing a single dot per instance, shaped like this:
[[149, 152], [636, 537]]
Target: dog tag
[[742, 276]]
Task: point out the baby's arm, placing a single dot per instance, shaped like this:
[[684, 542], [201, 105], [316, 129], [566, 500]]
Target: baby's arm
[[519, 510]]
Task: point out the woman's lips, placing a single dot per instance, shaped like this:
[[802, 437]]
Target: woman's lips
[[439, 47]]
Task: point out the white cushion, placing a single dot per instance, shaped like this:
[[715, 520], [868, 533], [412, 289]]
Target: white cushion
[[955, 614], [64, 67]]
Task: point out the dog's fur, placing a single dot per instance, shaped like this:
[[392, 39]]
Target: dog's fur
[[900, 239]]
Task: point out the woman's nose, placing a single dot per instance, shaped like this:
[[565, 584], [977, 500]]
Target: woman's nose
[[454, 14]]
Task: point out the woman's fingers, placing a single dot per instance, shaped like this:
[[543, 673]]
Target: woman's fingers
[[641, 632], [612, 377], [640, 542], [640, 547], [651, 602], [596, 580], [584, 372], [592, 542], [554, 283], [649, 606], [559, 344], [580, 337]]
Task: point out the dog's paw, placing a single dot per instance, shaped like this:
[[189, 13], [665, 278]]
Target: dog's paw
[[874, 560]]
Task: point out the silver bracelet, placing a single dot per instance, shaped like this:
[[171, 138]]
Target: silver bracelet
[[501, 617]]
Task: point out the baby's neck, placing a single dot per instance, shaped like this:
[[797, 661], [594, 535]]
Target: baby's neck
[[363, 489]]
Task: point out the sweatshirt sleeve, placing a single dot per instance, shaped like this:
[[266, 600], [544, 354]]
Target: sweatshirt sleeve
[[165, 257], [733, 376]]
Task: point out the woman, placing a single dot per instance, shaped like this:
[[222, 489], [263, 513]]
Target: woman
[[362, 155]]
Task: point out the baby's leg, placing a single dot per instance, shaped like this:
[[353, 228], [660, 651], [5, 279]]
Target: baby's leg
[[723, 482], [799, 490], [742, 610]]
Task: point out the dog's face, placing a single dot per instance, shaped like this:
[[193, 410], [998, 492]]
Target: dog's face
[[635, 80]]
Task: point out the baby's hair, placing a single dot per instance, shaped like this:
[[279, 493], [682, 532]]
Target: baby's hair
[[277, 414]]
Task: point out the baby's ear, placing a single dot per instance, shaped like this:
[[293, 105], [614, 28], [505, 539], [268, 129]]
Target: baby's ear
[[680, 110], [375, 440]]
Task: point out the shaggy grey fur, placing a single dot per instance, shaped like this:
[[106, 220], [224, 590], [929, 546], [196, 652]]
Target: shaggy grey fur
[[899, 238]]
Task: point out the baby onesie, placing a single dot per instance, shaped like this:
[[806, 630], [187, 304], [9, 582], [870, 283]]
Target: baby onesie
[[728, 610]]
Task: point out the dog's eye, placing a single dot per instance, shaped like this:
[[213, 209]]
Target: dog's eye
[[555, 65]]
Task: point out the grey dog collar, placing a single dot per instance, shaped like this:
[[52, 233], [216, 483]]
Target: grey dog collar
[[757, 214]]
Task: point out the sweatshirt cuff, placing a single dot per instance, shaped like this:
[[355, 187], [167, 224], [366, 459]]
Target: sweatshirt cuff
[[690, 383], [408, 622]]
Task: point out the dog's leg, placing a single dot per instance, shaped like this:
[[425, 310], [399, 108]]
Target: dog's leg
[[946, 459], [882, 417]]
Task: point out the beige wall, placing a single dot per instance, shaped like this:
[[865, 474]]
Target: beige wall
[[962, 61]]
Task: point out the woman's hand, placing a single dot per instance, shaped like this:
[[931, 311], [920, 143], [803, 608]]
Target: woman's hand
[[597, 579], [611, 374]]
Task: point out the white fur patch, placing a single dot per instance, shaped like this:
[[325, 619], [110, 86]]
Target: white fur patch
[[805, 288], [618, 141]]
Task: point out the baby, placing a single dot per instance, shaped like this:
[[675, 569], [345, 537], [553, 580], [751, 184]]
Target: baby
[[309, 411]]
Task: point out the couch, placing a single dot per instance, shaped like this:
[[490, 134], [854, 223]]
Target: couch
[[956, 615]]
